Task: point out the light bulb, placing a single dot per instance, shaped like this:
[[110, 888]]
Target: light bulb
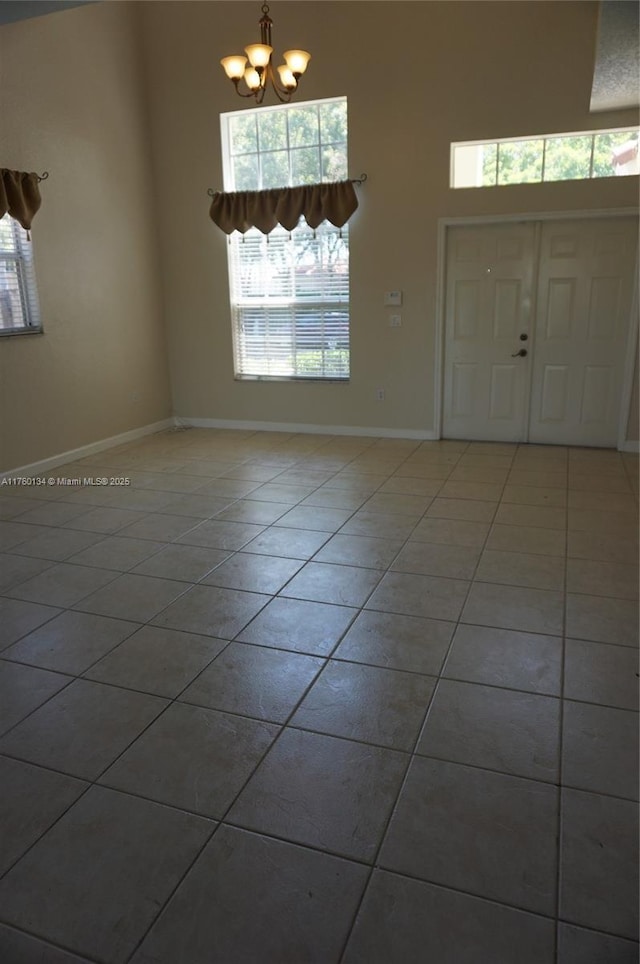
[[286, 77], [252, 78], [297, 60], [259, 54], [234, 66]]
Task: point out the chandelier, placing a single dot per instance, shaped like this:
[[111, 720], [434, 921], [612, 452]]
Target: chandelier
[[259, 71]]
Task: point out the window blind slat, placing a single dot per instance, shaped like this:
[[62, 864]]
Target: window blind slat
[[290, 303]]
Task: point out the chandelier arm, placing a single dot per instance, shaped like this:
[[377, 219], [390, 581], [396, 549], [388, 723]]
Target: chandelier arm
[[236, 84], [282, 93]]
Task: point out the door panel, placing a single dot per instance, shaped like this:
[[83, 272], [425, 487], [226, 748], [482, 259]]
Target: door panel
[[488, 303], [585, 280], [567, 389]]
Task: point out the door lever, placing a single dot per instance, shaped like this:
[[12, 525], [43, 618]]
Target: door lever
[[520, 354]]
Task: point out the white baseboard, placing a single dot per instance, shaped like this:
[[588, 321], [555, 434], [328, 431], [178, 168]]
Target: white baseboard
[[72, 455], [629, 446], [305, 428]]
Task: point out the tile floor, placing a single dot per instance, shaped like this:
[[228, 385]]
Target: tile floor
[[300, 699]]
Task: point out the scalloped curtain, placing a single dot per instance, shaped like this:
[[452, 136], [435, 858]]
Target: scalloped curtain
[[19, 195], [334, 201]]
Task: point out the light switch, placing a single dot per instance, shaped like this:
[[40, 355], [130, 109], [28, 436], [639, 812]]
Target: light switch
[[393, 299], [395, 321]]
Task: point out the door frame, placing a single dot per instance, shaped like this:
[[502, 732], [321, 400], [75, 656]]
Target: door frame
[[473, 221]]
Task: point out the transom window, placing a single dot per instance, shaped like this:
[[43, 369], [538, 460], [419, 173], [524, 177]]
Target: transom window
[[289, 291], [19, 313], [556, 157]]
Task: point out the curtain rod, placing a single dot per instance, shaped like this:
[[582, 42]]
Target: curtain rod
[[354, 180]]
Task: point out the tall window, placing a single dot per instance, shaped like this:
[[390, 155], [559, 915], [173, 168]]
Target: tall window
[[289, 291], [18, 300], [552, 157]]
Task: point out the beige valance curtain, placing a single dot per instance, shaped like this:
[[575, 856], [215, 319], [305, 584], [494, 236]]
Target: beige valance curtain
[[19, 195], [241, 210]]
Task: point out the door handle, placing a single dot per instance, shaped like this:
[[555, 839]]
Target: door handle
[[520, 354]]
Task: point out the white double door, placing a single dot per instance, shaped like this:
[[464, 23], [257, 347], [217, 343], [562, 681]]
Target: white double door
[[537, 318]]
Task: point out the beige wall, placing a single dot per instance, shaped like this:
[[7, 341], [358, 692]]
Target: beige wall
[[128, 187], [470, 70], [71, 102], [633, 427]]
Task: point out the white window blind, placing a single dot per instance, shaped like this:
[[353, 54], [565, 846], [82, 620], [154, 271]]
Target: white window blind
[[18, 299], [289, 291]]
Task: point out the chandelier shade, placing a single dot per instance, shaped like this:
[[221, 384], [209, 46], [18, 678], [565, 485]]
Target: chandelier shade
[[255, 69]]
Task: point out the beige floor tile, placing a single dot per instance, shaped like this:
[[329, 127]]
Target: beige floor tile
[[228, 901], [510, 607], [622, 524], [498, 729], [470, 510], [406, 485], [142, 850], [397, 642], [157, 661], [253, 572], [474, 458], [381, 525], [535, 495], [185, 563], [335, 499], [603, 547], [315, 518], [329, 583], [521, 569], [601, 673], [391, 503], [544, 542], [218, 534], [485, 491], [211, 611], [296, 624], [544, 517], [602, 578], [599, 864], [435, 923], [192, 758], [309, 789], [583, 481], [603, 501], [291, 543], [416, 595], [464, 827], [367, 703], [62, 585], [457, 562], [546, 478], [249, 510], [600, 749], [366, 551], [577, 945], [478, 473], [254, 681], [451, 532], [602, 619], [422, 471], [505, 657]]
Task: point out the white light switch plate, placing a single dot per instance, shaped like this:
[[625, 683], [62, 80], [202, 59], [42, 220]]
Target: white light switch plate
[[393, 299]]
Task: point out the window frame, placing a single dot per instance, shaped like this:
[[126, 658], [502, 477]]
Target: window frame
[[496, 142], [338, 305], [21, 255]]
